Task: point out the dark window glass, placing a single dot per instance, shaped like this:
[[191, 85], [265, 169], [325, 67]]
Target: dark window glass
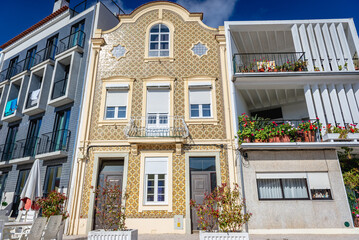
[[202, 163], [274, 113]]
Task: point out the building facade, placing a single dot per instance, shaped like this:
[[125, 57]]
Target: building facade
[[297, 72], [154, 119], [42, 74]]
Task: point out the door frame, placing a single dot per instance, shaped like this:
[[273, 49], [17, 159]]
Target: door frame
[[212, 153], [108, 156]]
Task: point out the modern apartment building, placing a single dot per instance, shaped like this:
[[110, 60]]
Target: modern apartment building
[[302, 72], [154, 119], [43, 71]]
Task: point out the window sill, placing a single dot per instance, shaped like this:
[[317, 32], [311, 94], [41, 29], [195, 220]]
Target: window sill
[[200, 121], [155, 207], [113, 122], [159, 59]]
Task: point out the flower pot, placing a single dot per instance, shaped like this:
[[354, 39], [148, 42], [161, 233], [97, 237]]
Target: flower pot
[[271, 139], [298, 139], [252, 70], [261, 70], [246, 139], [285, 138], [131, 234], [275, 70], [353, 136], [277, 139], [311, 136], [223, 235], [258, 140], [330, 137], [299, 69]]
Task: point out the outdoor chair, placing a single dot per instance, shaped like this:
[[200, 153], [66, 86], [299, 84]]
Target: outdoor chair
[[53, 228], [17, 232], [37, 229]]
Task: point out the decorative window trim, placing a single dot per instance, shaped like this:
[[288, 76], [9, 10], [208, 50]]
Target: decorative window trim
[[112, 81], [142, 206], [171, 37], [113, 47], [208, 120], [193, 44]]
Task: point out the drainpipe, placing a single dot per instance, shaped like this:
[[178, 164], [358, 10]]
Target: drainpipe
[[240, 175]]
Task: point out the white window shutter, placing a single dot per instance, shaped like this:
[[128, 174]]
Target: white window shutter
[[156, 165], [158, 100], [319, 180], [116, 98], [200, 96], [280, 175]]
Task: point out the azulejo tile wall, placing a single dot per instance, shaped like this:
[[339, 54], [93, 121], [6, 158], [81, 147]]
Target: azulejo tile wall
[[185, 64]]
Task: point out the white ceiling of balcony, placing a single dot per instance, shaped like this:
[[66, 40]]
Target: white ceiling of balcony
[[264, 98], [263, 41]]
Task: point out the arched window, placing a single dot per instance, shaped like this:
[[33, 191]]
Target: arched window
[[159, 41]]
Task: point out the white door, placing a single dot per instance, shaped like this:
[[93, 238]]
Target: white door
[[157, 118]]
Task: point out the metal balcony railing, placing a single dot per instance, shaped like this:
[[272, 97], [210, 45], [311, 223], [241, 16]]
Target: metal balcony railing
[[157, 125], [44, 54], [20, 149], [74, 39], [260, 130], [269, 62], [59, 88], [3, 75], [54, 141]]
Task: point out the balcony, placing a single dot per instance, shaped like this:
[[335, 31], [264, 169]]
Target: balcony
[[269, 62], [41, 56], [21, 151], [54, 145], [158, 127], [59, 88], [76, 39]]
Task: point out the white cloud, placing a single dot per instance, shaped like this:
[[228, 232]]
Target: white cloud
[[215, 12]]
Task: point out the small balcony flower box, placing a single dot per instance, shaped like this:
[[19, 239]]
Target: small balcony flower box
[[353, 136], [223, 235], [131, 234], [330, 137]]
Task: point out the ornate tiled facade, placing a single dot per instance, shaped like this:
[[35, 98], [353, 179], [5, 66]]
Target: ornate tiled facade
[[132, 35]]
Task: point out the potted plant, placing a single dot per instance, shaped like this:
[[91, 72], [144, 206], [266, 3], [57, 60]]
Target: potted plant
[[52, 205], [331, 133], [111, 214], [222, 209]]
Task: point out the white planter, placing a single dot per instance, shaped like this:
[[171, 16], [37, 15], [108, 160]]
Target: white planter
[[131, 234], [353, 136], [223, 235], [331, 137]]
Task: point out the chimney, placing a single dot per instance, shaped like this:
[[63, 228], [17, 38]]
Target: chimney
[[60, 3]]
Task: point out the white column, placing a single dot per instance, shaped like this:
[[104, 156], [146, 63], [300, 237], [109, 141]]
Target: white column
[[345, 47], [352, 103], [318, 104], [306, 48], [296, 39], [344, 103], [329, 44], [313, 46], [327, 104], [309, 101], [356, 92], [354, 34], [335, 104], [321, 47], [336, 44]]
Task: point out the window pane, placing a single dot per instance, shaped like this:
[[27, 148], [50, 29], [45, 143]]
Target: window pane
[[164, 45], [154, 45], [110, 112], [161, 183], [165, 37], [121, 112], [153, 53], [150, 191], [206, 110], [155, 28], [161, 198], [154, 37], [164, 28], [150, 198], [164, 53], [194, 110], [161, 190], [295, 188], [269, 189], [163, 119], [151, 119]]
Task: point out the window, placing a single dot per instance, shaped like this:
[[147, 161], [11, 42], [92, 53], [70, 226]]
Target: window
[[51, 46], [159, 43], [77, 35], [10, 142], [11, 71], [32, 137], [319, 186], [274, 113], [282, 186], [200, 103], [52, 179], [199, 49], [116, 104], [23, 174], [60, 136], [60, 84], [30, 58], [3, 178], [156, 180]]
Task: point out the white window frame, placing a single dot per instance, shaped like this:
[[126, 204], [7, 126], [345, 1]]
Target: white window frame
[[123, 88], [159, 50], [200, 106], [156, 202], [116, 113]]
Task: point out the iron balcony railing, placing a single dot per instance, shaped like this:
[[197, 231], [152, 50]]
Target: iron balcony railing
[[74, 39], [45, 54], [59, 88], [280, 131], [54, 141], [20, 149], [269, 62], [157, 125]]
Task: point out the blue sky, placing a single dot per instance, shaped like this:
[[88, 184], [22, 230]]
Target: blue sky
[[18, 15]]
